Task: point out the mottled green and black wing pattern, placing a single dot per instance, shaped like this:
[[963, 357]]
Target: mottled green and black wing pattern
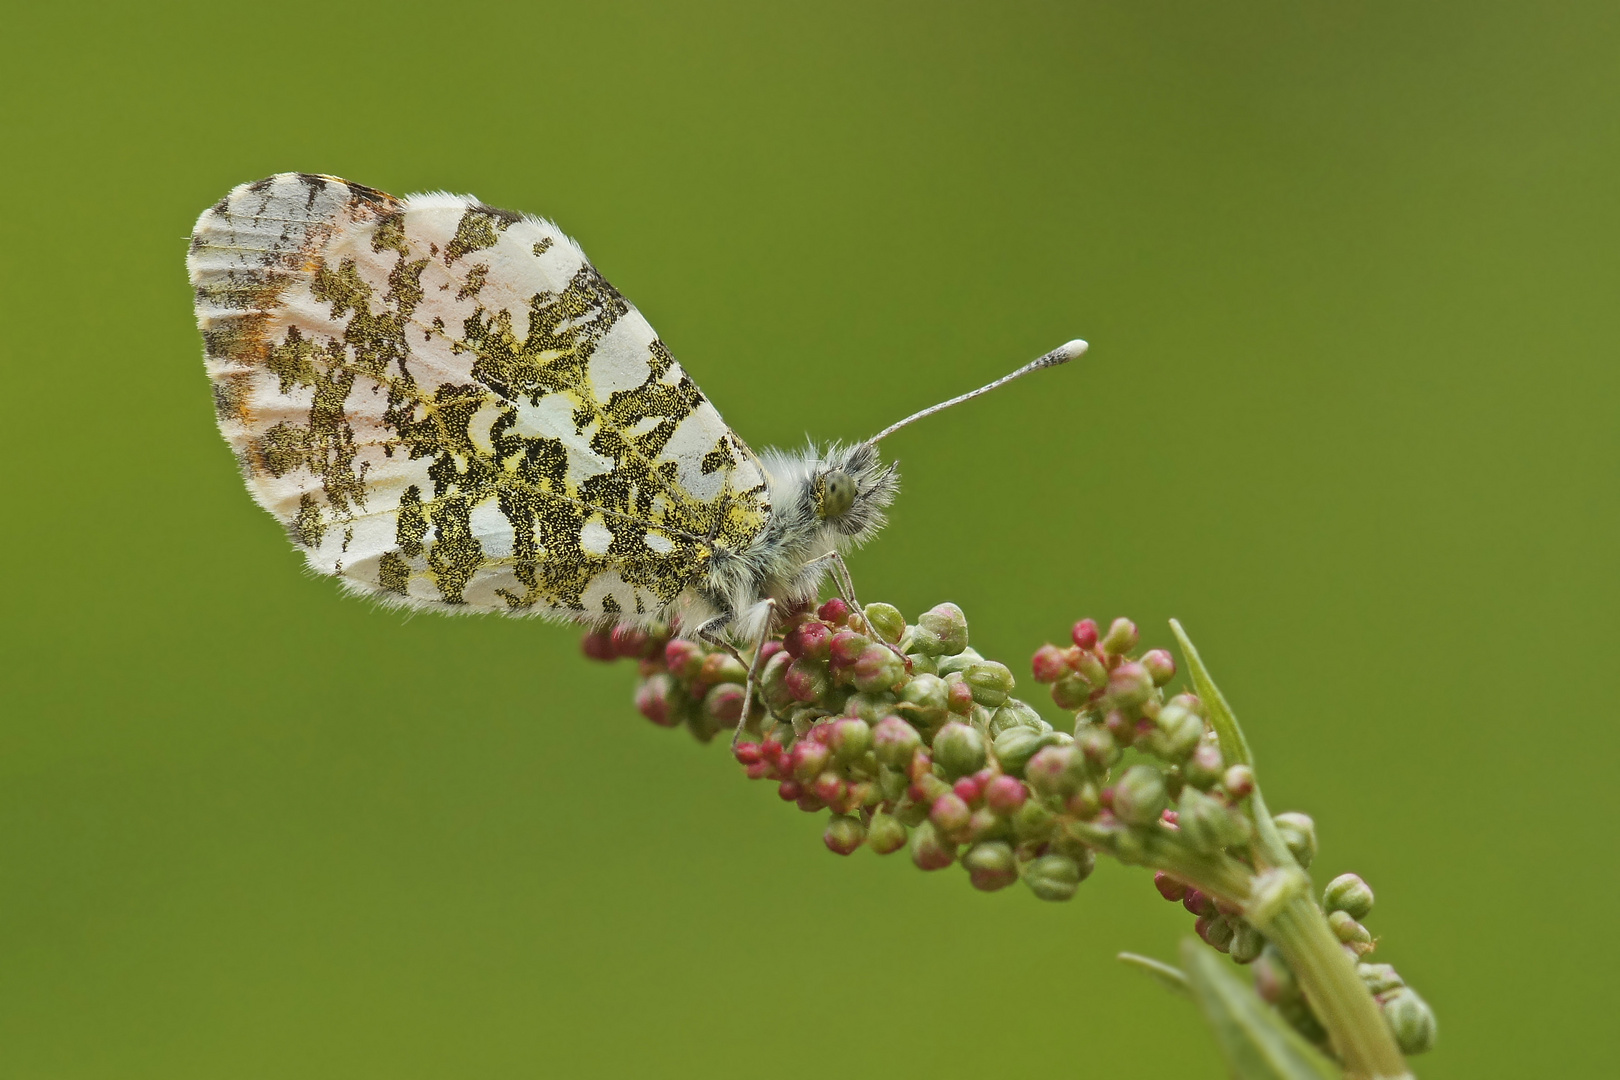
[[446, 405]]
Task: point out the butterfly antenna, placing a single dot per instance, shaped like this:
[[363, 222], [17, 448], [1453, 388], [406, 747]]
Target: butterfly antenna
[[1060, 355]]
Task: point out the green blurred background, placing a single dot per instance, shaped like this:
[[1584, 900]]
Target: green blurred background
[[1349, 273]]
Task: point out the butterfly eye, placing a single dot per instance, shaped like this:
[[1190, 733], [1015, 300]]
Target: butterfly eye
[[834, 495]]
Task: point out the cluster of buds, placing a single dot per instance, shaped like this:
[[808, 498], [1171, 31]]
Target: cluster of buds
[[912, 740]]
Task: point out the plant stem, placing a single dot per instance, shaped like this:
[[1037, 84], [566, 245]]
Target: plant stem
[[1337, 995]]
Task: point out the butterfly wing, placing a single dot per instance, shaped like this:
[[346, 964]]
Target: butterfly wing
[[447, 406]]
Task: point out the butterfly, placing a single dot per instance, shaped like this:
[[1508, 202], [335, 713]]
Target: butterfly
[[447, 407]]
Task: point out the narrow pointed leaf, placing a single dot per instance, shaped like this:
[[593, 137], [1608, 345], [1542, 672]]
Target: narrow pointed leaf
[[1256, 1043], [1169, 977]]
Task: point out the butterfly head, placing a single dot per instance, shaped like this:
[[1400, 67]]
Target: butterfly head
[[850, 487]]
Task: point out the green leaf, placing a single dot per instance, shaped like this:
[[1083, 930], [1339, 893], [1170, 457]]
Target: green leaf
[[1234, 747], [1169, 977], [1256, 1043], [1271, 849]]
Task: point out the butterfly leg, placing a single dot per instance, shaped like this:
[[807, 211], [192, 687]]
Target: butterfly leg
[[754, 668], [844, 581]]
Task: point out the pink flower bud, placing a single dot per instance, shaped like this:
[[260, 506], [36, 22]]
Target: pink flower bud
[[1048, 664], [878, 669], [598, 645], [747, 753], [724, 702], [768, 650], [630, 641], [683, 658], [1239, 782], [1085, 633], [789, 791], [949, 814], [958, 695], [830, 787], [806, 680], [967, 789], [1198, 903], [1160, 665], [845, 647], [808, 759], [809, 639], [771, 750], [759, 770], [834, 611], [810, 802], [1129, 685], [652, 700], [929, 850], [1005, 794], [1169, 887]]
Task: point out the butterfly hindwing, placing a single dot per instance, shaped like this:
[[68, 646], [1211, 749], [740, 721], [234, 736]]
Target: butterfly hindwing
[[445, 404]]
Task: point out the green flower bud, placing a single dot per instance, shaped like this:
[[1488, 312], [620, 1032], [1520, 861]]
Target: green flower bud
[[878, 669], [986, 824], [719, 667], [1129, 685], [1071, 692], [990, 682], [1099, 749], [772, 682], [1053, 877], [1139, 796], [1121, 637], [1203, 766], [1207, 825], [1056, 771], [1091, 669], [1300, 1017], [1349, 894], [991, 865], [1273, 979], [950, 815], [724, 702], [1015, 714], [959, 750], [941, 631], [909, 812], [1247, 943], [959, 662], [886, 620], [921, 664], [1216, 931], [851, 739], [1015, 746], [1032, 821], [892, 783], [1176, 733], [1299, 833], [844, 834], [807, 680], [894, 742], [929, 850], [1410, 1020], [927, 697], [869, 707], [1380, 978], [1351, 932], [885, 835]]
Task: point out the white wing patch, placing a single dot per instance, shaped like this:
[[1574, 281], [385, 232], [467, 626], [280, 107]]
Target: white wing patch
[[446, 405]]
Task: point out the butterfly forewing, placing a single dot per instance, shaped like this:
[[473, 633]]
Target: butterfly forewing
[[447, 405]]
